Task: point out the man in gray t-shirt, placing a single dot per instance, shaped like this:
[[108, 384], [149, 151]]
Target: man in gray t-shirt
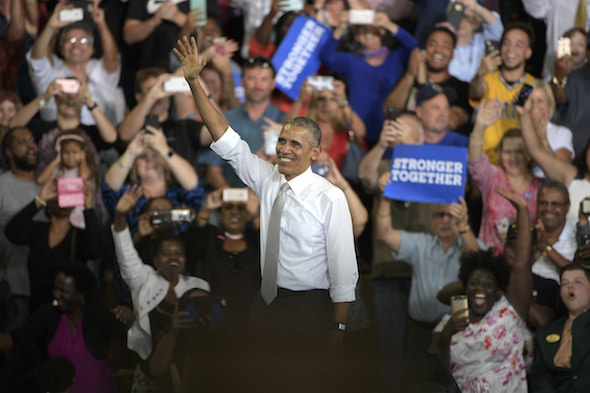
[[18, 187]]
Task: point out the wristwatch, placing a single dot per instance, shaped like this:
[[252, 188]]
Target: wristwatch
[[340, 326], [170, 154]]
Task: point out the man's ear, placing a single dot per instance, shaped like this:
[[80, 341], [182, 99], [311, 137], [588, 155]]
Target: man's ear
[[315, 153]]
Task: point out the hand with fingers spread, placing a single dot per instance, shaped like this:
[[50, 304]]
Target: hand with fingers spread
[[187, 52], [129, 199], [516, 200], [489, 113]]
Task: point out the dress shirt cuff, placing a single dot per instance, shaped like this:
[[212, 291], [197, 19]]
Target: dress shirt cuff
[[226, 143], [342, 294]]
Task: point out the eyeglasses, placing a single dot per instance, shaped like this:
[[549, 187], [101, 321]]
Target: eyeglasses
[[81, 41], [234, 262]]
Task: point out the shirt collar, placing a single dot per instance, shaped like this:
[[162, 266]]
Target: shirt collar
[[300, 182]]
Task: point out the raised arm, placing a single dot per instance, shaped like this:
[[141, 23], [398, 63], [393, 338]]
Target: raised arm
[[304, 93], [134, 121], [358, 212], [109, 46], [27, 112], [384, 231], [264, 31], [106, 130], [192, 64], [135, 30], [182, 170], [489, 63], [118, 172], [488, 114], [461, 216], [520, 287], [553, 167], [41, 47], [15, 30], [416, 72], [562, 68]]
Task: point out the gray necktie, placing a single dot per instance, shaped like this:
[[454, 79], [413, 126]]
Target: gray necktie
[[268, 290]]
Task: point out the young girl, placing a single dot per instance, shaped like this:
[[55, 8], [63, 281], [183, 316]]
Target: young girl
[[75, 158]]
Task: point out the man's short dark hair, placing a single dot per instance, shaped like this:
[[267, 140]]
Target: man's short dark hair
[[8, 137], [525, 27], [84, 280], [444, 30], [313, 130], [146, 73], [168, 237], [557, 185]]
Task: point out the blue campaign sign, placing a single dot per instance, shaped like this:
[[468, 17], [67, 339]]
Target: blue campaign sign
[[298, 55], [427, 173]]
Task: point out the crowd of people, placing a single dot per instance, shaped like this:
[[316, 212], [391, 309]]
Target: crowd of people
[[168, 207]]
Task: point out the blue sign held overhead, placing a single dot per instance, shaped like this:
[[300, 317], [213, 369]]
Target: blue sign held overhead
[[427, 173], [298, 55]]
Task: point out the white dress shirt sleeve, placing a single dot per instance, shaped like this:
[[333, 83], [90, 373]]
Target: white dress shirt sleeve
[[342, 266], [252, 170]]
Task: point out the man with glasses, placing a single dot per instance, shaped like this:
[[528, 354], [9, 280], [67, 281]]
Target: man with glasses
[[435, 263], [556, 245], [250, 120], [75, 43]]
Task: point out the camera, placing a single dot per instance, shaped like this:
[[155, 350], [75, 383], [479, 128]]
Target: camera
[[172, 216], [361, 17], [392, 113], [523, 94], [492, 45], [68, 85], [177, 84], [70, 192], [456, 14], [199, 307], [235, 195], [318, 83]]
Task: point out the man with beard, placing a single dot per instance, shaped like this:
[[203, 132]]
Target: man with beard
[[17, 188], [184, 136], [250, 119], [431, 66], [503, 83]]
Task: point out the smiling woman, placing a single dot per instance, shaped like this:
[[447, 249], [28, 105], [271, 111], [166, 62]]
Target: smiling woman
[[486, 348]]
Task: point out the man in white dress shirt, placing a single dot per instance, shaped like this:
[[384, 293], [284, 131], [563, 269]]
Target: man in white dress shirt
[[317, 264]]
